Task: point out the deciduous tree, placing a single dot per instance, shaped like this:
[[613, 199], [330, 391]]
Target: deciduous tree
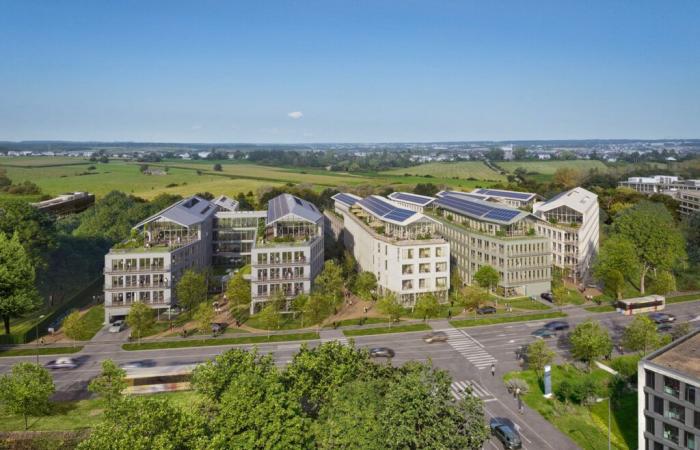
[[18, 295], [657, 240], [330, 282], [487, 277], [140, 319], [110, 383], [73, 327], [191, 289], [616, 262], [365, 285], [641, 335], [204, 316], [427, 306], [26, 390], [238, 291], [539, 355], [390, 306], [269, 318], [589, 341]]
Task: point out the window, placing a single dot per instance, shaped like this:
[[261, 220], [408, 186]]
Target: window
[[676, 412], [690, 393], [407, 284], [422, 283], [671, 433], [441, 267], [439, 251], [650, 424], [408, 253], [658, 405], [696, 419], [441, 282], [424, 268], [658, 446], [649, 378], [424, 252], [672, 386], [407, 269], [689, 440]]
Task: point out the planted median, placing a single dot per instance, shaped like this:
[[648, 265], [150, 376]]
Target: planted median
[[387, 330], [463, 323], [221, 341], [40, 351]]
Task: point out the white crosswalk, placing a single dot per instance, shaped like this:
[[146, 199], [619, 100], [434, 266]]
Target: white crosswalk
[[460, 389], [342, 340], [471, 349]]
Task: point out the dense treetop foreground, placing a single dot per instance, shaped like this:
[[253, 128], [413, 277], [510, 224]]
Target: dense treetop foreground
[[329, 397]]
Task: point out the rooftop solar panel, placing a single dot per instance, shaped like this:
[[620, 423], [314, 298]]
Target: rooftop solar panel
[[345, 198], [505, 194], [385, 210], [476, 208], [417, 199]]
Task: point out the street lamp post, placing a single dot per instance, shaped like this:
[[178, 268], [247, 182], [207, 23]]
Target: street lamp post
[[36, 336]]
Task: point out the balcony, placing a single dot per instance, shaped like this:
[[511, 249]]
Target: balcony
[[275, 279], [149, 269], [137, 287], [125, 303], [282, 262]]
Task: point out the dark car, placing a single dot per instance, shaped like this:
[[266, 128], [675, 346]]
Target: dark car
[[381, 352], [486, 310], [506, 434], [662, 317], [543, 333], [664, 328], [218, 328], [435, 336], [557, 325], [138, 364], [547, 296]]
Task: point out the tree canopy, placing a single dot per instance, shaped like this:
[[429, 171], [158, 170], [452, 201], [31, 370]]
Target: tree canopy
[[26, 390], [641, 335], [18, 294], [191, 289], [487, 277], [589, 341]]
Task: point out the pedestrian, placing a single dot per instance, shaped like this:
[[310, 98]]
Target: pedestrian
[[493, 370], [521, 407], [449, 314]]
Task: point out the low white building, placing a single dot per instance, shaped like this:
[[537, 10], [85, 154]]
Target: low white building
[[399, 246], [571, 221]]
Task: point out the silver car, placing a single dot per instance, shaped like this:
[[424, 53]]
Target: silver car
[[117, 326]]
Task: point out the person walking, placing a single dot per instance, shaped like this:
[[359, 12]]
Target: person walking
[[493, 369]]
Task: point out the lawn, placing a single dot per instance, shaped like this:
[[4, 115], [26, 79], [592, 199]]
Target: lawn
[[76, 415], [587, 426], [387, 330], [549, 167], [463, 323], [221, 341], [41, 350], [476, 170], [682, 298], [92, 322], [287, 322], [600, 308], [527, 303], [362, 321]]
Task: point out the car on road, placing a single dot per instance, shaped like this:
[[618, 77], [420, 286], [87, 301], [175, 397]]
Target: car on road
[[664, 327], [505, 433], [547, 296], [117, 326], [61, 363], [486, 310], [381, 352], [218, 328], [138, 364], [435, 336], [543, 333], [556, 325], [662, 317]]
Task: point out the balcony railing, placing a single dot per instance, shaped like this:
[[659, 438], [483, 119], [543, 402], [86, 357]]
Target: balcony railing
[[164, 302], [282, 262], [148, 269], [136, 287], [287, 278]]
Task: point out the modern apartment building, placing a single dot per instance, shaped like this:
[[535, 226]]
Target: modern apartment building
[[510, 198], [571, 222], [659, 184], [689, 202], [400, 246], [669, 396], [288, 253], [196, 233], [482, 233]]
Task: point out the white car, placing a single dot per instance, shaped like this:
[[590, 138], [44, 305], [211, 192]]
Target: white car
[[62, 363], [117, 326]]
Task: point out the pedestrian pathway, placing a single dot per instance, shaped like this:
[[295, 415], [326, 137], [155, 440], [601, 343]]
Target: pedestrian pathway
[[470, 348], [461, 389], [333, 335]]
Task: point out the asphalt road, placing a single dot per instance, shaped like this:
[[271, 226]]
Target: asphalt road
[[467, 355]]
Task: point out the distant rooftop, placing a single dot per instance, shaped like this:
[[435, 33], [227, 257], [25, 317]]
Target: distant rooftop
[[682, 356]]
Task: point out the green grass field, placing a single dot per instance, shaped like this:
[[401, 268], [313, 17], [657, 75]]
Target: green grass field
[[221, 341], [463, 323], [41, 351], [388, 330], [549, 167], [587, 426], [461, 169]]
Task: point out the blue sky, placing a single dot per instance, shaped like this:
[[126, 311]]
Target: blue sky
[[350, 71]]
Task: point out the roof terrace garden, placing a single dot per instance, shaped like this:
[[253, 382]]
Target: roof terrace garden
[[517, 230], [158, 236], [289, 232], [421, 229]]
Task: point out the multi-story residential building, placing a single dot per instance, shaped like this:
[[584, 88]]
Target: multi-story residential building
[[414, 202], [146, 268], [571, 222], [283, 245], [659, 184], [689, 202], [288, 253], [482, 233], [668, 400], [399, 246]]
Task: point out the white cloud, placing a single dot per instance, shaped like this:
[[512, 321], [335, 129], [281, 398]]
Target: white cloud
[[296, 115]]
